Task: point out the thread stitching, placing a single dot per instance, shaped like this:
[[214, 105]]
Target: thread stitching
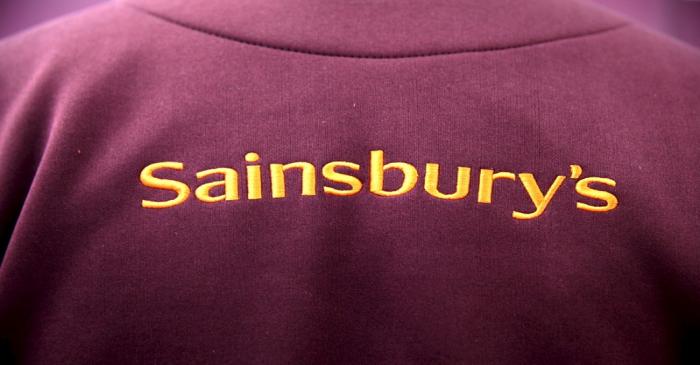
[[363, 56]]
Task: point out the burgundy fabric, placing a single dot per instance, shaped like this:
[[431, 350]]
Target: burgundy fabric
[[90, 276]]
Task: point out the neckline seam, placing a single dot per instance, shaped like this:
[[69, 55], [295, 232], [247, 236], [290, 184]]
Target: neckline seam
[[407, 55]]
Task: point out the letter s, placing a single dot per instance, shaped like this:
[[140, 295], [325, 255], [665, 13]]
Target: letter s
[[334, 176], [147, 179], [583, 189]]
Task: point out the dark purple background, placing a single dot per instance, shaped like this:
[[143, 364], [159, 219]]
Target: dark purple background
[[91, 277], [679, 18]]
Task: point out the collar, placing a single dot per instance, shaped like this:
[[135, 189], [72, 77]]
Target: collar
[[385, 28]]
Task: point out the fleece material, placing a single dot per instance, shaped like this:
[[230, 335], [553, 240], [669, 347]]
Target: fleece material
[[348, 182]]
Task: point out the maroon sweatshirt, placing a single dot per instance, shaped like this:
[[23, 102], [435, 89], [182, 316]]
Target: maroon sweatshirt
[[348, 182]]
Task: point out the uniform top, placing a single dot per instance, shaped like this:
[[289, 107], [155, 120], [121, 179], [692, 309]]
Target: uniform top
[[314, 181]]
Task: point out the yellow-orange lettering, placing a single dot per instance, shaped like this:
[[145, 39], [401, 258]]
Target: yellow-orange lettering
[[308, 178], [332, 175], [253, 176], [533, 190], [432, 172], [342, 178], [486, 179], [147, 179], [230, 184], [576, 171], [376, 179], [583, 189]]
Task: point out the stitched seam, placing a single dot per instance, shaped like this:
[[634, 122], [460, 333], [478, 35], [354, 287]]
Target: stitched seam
[[364, 56]]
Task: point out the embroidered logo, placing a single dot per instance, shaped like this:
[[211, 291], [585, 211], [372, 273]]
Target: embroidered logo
[[229, 181]]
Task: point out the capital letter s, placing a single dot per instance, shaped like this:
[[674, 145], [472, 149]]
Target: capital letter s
[[147, 179]]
